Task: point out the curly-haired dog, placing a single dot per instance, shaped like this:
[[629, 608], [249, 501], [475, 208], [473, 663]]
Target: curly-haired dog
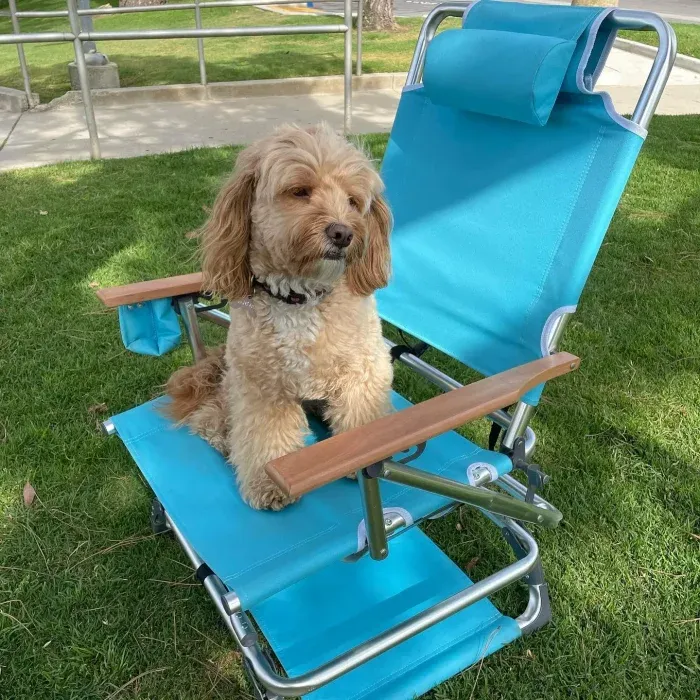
[[299, 236]]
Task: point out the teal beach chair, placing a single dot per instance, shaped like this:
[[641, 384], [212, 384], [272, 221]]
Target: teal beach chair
[[503, 171]]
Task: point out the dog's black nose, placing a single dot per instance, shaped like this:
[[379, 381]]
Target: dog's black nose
[[340, 234]]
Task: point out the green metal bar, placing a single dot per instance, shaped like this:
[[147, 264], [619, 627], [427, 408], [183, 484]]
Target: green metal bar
[[471, 495], [374, 516]]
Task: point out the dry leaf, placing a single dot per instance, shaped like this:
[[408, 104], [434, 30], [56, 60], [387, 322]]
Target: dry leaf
[[28, 495], [42, 212], [226, 661], [94, 285], [458, 527], [471, 563], [529, 654], [98, 408]]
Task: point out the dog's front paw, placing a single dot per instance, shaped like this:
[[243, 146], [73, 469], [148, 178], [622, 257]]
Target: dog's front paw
[[265, 495]]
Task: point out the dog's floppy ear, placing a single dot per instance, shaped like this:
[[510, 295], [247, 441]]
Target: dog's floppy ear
[[225, 238], [371, 272]]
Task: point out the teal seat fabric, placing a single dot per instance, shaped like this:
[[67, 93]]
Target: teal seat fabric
[[197, 487], [497, 221]]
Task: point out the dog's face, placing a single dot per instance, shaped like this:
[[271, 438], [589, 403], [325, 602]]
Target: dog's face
[[302, 204], [311, 205]]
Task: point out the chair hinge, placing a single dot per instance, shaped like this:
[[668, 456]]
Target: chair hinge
[[536, 478]]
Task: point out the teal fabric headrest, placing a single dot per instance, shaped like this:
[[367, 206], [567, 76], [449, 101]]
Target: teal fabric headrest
[[498, 73]]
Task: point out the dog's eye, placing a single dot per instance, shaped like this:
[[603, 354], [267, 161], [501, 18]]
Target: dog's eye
[[353, 203], [301, 192]]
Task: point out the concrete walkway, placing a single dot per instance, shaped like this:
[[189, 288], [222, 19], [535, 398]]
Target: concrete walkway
[[625, 74], [135, 130], [58, 134]]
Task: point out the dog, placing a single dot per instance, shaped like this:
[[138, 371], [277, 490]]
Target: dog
[[297, 242]]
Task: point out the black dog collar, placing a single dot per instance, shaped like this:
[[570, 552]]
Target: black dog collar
[[292, 298]]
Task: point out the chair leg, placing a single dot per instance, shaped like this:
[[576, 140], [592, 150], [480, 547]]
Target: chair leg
[[259, 690], [194, 334], [521, 417], [159, 523], [538, 612], [374, 515]]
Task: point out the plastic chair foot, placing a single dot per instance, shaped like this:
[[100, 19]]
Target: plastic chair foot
[[159, 524]]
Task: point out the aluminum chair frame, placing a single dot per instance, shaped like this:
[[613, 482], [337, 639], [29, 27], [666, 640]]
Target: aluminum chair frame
[[268, 683]]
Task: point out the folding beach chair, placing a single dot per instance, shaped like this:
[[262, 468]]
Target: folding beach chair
[[503, 171]]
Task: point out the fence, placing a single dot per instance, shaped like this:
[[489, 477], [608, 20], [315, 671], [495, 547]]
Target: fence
[[78, 36]]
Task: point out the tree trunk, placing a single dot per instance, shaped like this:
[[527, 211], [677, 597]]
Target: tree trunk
[[595, 3], [378, 15], [140, 3]]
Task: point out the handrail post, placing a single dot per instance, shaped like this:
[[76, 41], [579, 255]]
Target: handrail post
[[347, 68], [20, 55], [200, 44], [83, 78], [358, 65]]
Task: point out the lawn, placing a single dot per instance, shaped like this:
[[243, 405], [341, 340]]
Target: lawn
[[175, 60], [249, 58], [688, 38], [93, 606]]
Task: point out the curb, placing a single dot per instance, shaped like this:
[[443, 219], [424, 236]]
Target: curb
[[682, 61], [12, 100], [326, 84], [298, 11]]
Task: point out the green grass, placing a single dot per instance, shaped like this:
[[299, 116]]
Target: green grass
[[175, 60], [250, 58], [89, 600], [688, 38]]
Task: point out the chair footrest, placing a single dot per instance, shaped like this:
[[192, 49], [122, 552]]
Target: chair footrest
[[345, 604]]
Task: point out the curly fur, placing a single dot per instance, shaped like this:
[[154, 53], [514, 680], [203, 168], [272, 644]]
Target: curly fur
[[269, 221]]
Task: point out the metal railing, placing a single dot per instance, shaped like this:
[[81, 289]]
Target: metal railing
[[78, 36]]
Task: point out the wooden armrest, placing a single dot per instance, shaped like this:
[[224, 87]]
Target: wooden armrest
[[328, 460], [152, 289]]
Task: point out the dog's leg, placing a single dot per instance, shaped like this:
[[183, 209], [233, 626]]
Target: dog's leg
[[357, 403], [360, 398], [198, 401], [262, 429]]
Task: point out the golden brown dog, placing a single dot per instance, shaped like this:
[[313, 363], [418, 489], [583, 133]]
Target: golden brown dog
[[297, 241]]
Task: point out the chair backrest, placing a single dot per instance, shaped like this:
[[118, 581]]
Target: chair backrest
[[503, 171]]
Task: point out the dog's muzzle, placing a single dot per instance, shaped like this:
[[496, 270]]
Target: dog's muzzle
[[340, 237]]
